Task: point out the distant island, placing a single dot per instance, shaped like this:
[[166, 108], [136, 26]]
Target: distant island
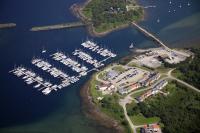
[[105, 16]]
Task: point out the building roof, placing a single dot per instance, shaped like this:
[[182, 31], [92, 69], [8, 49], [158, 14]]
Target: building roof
[[112, 73], [155, 126]]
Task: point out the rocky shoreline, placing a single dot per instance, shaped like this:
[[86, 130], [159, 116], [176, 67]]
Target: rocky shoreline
[[94, 113], [88, 107]]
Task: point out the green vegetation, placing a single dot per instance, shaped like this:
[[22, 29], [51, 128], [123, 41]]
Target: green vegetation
[[102, 74], [95, 94], [135, 95], [109, 14], [125, 60], [162, 69], [109, 104], [142, 67], [138, 118], [179, 111], [119, 69], [190, 72], [138, 130]]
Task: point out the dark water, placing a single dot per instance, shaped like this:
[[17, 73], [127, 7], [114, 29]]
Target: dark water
[[24, 109]]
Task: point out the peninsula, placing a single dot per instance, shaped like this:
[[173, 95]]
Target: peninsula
[[105, 16], [124, 90], [7, 25]]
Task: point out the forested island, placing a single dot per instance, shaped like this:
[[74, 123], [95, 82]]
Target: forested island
[[109, 14], [104, 16]]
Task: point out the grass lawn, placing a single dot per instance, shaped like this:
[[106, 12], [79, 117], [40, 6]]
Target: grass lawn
[[135, 95], [142, 67], [119, 68], [93, 90], [102, 75], [162, 69], [138, 130], [141, 120], [177, 74]]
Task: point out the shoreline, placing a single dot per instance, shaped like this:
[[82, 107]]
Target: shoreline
[[93, 112], [77, 8]]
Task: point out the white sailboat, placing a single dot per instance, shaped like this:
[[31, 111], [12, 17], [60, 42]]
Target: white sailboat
[[131, 46], [44, 50]]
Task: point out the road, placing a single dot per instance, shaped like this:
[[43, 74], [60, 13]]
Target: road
[[169, 74], [128, 99]]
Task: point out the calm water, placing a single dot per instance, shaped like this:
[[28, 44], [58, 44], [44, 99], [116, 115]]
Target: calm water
[[24, 109]]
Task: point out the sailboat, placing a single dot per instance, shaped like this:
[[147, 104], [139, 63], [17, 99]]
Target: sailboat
[[158, 20], [131, 46], [44, 50]]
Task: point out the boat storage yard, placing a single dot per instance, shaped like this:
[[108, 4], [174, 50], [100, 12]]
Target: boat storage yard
[[80, 68]]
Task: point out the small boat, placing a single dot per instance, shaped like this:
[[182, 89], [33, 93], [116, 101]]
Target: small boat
[[44, 50], [131, 46]]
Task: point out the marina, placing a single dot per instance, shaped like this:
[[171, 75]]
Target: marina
[[66, 80]]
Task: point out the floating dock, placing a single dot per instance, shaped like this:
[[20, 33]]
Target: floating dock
[[47, 87], [31, 77], [71, 63], [99, 50], [87, 58]]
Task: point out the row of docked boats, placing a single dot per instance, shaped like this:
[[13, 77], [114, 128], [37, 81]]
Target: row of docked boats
[[87, 58], [71, 63], [96, 48], [47, 87], [31, 77]]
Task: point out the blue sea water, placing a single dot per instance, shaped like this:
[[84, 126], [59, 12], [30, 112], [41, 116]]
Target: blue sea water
[[24, 109]]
